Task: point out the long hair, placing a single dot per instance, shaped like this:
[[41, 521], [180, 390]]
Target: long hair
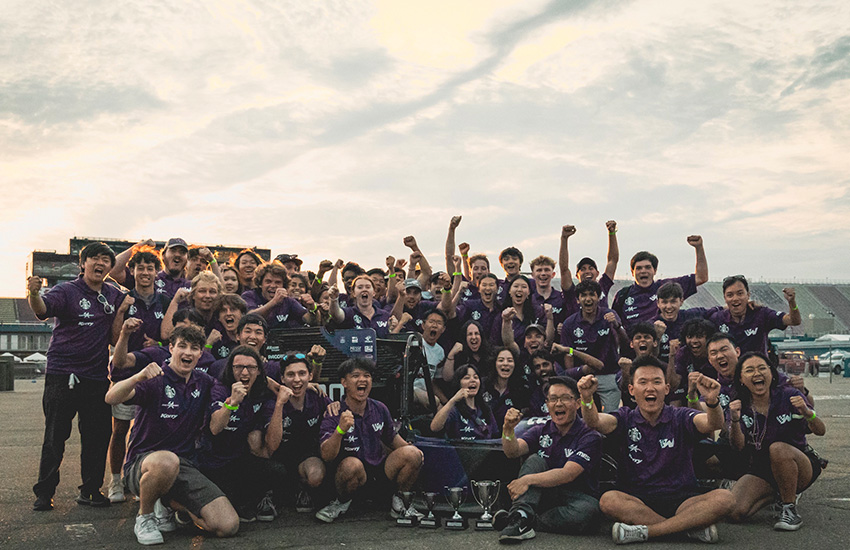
[[527, 306], [742, 391], [480, 404], [260, 386], [516, 385], [485, 350]]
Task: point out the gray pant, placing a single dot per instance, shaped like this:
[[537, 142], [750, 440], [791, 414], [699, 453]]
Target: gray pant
[[609, 392], [558, 509]]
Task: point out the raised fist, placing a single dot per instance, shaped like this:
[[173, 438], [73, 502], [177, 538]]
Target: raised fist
[[346, 420], [568, 231], [463, 248], [611, 225], [695, 241], [410, 242], [454, 222]]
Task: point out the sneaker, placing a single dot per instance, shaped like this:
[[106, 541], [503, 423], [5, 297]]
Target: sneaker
[[164, 517], [247, 514], [182, 518], [623, 533], [116, 492], [303, 503], [518, 529], [95, 499], [265, 509], [43, 504], [333, 510], [707, 534], [789, 519], [397, 507], [501, 519], [146, 530]]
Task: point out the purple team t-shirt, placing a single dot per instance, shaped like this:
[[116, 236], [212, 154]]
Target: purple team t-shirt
[[364, 439], [217, 451], [656, 460], [580, 444], [151, 315], [560, 308], [171, 412], [751, 334], [301, 427], [476, 310], [783, 422], [640, 303], [674, 328], [82, 329], [164, 283], [597, 339], [354, 318], [469, 425]]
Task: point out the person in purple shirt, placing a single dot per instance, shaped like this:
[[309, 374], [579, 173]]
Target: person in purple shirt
[[168, 280], [557, 484], [657, 489], [750, 325], [173, 406], [595, 331], [202, 296], [300, 422], [75, 380], [671, 317], [466, 416], [688, 353], [251, 331], [229, 310], [542, 368], [233, 452], [521, 311], [771, 422], [643, 343], [542, 271], [484, 309], [503, 385], [230, 280], [511, 260], [586, 269], [246, 263], [473, 349], [271, 300], [410, 301], [353, 443], [636, 302], [363, 314]]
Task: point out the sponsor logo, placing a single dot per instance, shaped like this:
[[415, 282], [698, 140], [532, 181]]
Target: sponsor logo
[[171, 405], [667, 443], [724, 400], [167, 416], [378, 426], [467, 292], [257, 407], [85, 324], [751, 331], [467, 428], [629, 301], [568, 453], [196, 394], [634, 434], [132, 311], [583, 455], [169, 392], [234, 418], [159, 315], [545, 441], [665, 338], [578, 332], [476, 315], [358, 319], [287, 422], [86, 315], [747, 420], [724, 328], [160, 283]]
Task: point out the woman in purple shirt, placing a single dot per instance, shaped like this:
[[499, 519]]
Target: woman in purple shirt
[[771, 422], [466, 416], [518, 297], [503, 385], [474, 349]]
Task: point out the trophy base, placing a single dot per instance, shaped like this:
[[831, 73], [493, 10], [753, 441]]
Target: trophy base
[[454, 524], [405, 522], [483, 525], [428, 523]]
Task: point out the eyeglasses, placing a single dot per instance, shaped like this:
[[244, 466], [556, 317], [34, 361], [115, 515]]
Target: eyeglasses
[[243, 367], [295, 356], [752, 370], [108, 308], [565, 399]]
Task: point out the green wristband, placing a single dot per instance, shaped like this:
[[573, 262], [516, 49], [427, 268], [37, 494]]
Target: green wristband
[[586, 405], [339, 430], [230, 407], [814, 415], [457, 274], [507, 437], [208, 346], [693, 400]]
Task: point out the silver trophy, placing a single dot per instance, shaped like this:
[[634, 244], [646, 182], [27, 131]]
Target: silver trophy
[[486, 493], [455, 496], [429, 521], [404, 520]]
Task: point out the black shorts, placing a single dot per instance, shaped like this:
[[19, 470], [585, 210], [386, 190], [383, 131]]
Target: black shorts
[[666, 505], [377, 481], [760, 467], [292, 456], [191, 488]]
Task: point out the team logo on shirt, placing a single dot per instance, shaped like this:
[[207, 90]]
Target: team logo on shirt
[[724, 328], [665, 338], [747, 420], [545, 441], [667, 443], [171, 405], [132, 311], [630, 301], [257, 408], [653, 297], [467, 292], [85, 304], [784, 418], [578, 332], [378, 426], [159, 315], [724, 400], [751, 331], [287, 422], [169, 392], [160, 283], [196, 394], [487, 397], [312, 421], [604, 331], [382, 324], [358, 319], [634, 434], [282, 318], [476, 315]]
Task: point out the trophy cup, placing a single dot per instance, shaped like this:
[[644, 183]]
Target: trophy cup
[[455, 497], [404, 520], [429, 521], [485, 493]]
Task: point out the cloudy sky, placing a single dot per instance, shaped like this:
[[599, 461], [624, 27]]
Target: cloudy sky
[[333, 129]]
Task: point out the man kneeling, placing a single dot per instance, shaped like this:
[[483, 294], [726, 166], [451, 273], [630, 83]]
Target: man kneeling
[[557, 484], [655, 470], [173, 402], [353, 441]]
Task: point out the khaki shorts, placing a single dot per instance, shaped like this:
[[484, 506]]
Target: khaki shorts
[[124, 412], [191, 488]]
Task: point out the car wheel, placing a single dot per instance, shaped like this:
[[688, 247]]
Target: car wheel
[[836, 369]]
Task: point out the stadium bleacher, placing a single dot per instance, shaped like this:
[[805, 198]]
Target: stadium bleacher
[[837, 302]]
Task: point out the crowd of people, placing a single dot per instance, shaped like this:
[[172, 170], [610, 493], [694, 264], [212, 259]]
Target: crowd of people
[[219, 434]]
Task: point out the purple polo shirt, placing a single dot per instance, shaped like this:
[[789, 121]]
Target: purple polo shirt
[[580, 444], [151, 316], [640, 303], [557, 300], [607, 283], [82, 330], [674, 328], [364, 439], [164, 283], [418, 314], [301, 427], [475, 310], [287, 314], [161, 356], [170, 414], [687, 363], [253, 298], [597, 339], [470, 425], [217, 451], [751, 333], [783, 422], [380, 321], [469, 293], [656, 461], [518, 326], [500, 403], [537, 401]]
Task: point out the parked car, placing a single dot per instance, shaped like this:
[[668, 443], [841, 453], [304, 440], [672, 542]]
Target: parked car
[[833, 360], [797, 362]]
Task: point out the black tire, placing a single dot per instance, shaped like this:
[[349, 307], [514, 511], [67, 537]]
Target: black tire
[[836, 369]]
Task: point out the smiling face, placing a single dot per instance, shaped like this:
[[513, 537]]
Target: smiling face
[[296, 287], [649, 389], [357, 385], [432, 328], [230, 281], [95, 269], [488, 289], [696, 344], [543, 368], [412, 297], [510, 264], [562, 404], [296, 377], [533, 340], [643, 344], [246, 266], [543, 275], [252, 335], [669, 308], [723, 356], [175, 259], [145, 275], [479, 269], [519, 292], [229, 317], [363, 292], [504, 364], [643, 273], [737, 297], [245, 370], [589, 302], [471, 382], [269, 285], [756, 376], [204, 295], [473, 338], [184, 356], [587, 272]]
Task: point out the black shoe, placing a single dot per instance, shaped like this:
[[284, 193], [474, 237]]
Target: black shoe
[[500, 520], [518, 529], [43, 504], [95, 499]]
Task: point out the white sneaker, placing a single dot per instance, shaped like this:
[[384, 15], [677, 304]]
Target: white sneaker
[[146, 531], [164, 517], [333, 510], [397, 507], [623, 533], [116, 491], [707, 534]]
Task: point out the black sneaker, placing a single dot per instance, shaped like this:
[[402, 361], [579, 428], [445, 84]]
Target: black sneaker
[[501, 519], [43, 504], [95, 499], [303, 503], [518, 529]]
